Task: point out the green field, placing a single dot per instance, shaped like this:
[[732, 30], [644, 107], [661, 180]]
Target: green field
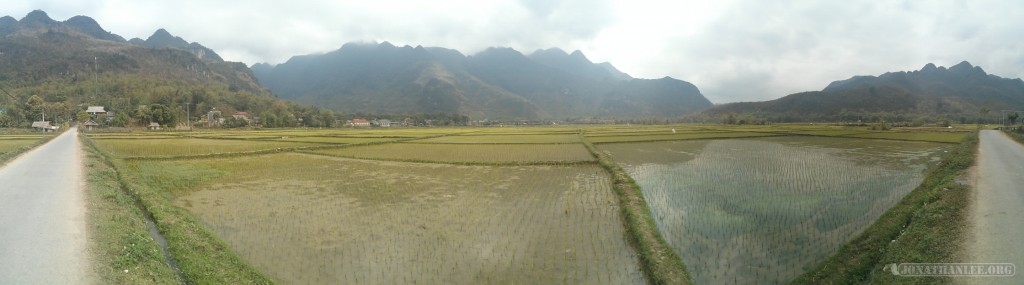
[[456, 153], [746, 204]]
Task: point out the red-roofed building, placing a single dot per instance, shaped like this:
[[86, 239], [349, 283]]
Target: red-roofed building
[[360, 123]]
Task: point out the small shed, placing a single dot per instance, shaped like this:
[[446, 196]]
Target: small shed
[[90, 125], [154, 126], [42, 125]]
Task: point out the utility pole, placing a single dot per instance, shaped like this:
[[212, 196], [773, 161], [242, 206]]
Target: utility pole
[[188, 116], [95, 77]]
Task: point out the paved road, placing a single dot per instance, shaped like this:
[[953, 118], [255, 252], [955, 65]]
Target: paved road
[[997, 215], [42, 216]]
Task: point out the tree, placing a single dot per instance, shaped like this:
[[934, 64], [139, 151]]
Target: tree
[[82, 116], [1012, 118], [163, 115], [120, 120], [36, 105]]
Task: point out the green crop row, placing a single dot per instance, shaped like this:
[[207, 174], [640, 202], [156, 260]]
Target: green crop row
[[928, 225]]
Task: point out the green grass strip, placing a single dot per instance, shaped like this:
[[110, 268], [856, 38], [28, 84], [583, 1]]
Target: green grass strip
[[1017, 135], [658, 261], [202, 257], [927, 226]]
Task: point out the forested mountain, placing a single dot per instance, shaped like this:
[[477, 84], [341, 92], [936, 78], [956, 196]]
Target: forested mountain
[[498, 83], [59, 67], [932, 93]]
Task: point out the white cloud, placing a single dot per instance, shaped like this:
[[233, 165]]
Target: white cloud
[[732, 50]]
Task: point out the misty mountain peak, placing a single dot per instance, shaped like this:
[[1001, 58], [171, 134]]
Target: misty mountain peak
[[579, 55], [37, 16], [90, 27], [930, 67]]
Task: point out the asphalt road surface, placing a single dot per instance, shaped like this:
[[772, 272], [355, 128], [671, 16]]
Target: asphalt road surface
[[42, 216], [997, 216]]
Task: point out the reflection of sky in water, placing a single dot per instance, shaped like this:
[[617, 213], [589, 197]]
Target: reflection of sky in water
[[762, 211]]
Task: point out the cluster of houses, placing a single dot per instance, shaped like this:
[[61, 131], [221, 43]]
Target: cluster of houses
[[380, 123], [213, 118]]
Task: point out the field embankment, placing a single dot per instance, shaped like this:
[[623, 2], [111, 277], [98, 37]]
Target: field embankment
[[928, 225], [659, 261], [202, 257], [122, 249]]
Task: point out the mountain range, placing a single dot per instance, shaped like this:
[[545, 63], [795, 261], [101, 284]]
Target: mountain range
[[497, 83], [955, 93], [62, 61]]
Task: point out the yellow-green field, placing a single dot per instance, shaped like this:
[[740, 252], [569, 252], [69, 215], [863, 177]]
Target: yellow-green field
[[13, 144], [474, 205]]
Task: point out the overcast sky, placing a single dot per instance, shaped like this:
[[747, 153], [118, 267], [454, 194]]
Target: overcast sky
[[732, 50]]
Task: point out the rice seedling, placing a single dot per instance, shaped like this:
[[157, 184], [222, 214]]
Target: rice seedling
[[763, 211], [314, 219]]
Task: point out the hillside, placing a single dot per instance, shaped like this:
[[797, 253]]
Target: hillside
[[933, 93], [74, 63], [498, 83]]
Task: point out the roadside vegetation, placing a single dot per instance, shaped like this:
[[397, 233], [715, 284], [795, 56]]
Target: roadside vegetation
[[123, 250], [1016, 133]]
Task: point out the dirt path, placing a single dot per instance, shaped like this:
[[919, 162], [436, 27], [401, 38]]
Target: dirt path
[[997, 216], [42, 216]]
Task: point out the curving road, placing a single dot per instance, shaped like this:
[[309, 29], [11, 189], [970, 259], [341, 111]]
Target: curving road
[[42, 216], [997, 216]]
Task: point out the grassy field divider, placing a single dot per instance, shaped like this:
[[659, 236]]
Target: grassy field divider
[[658, 261], [928, 225], [201, 256], [122, 246]]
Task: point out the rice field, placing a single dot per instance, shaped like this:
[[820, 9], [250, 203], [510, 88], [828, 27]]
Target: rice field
[[466, 153], [136, 147], [527, 205], [764, 210], [312, 219], [13, 143], [506, 139], [7, 145]]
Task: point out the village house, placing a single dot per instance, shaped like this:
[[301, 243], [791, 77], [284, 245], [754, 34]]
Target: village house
[[95, 110], [360, 123], [90, 125], [154, 126], [42, 125], [241, 116], [384, 123], [408, 122]]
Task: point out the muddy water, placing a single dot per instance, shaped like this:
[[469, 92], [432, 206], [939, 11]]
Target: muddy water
[[317, 220], [763, 211]]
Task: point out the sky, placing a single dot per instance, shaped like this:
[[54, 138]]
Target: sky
[[732, 50]]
